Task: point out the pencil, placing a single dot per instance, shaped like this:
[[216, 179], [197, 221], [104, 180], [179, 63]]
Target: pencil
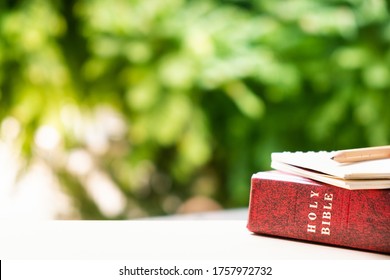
[[362, 154]]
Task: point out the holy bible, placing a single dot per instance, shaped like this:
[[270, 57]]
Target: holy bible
[[295, 207]]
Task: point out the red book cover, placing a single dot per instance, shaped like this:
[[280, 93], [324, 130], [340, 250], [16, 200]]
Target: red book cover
[[294, 207]]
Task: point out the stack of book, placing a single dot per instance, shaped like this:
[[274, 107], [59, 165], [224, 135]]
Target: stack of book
[[335, 198]]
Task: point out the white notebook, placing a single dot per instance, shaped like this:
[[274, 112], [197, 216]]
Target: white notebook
[[372, 174]]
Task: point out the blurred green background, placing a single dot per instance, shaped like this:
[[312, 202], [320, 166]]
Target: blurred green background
[[147, 107]]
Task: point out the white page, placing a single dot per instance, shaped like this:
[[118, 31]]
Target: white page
[[322, 162]]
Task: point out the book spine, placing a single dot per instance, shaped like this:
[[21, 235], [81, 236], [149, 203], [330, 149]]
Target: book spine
[[321, 213]]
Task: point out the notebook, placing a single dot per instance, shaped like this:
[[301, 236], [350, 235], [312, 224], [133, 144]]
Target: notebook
[[370, 174]]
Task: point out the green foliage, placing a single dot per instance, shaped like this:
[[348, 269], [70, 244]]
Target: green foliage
[[175, 98]]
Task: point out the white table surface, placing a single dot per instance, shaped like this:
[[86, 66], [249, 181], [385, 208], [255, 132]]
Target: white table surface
[[219, 235]]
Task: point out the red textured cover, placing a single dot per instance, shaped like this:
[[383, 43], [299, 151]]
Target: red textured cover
[[294, 207]]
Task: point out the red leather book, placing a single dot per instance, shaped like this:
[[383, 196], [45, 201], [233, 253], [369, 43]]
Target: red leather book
[[295, 207]]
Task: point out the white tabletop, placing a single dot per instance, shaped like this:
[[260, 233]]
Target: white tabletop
[[219, 235]]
